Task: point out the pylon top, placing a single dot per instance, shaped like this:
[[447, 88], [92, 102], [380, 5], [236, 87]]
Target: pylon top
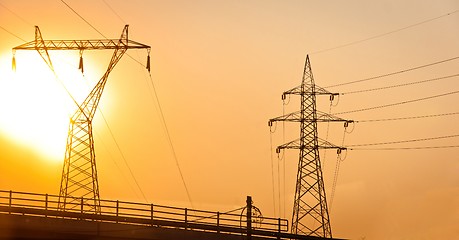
[[96, 44]]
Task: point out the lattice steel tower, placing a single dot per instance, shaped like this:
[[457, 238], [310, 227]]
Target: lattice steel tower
[[310, 211], [79, 183]]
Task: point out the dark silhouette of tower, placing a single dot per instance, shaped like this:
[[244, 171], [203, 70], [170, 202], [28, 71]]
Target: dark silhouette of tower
[[79, 183], [310, 211]]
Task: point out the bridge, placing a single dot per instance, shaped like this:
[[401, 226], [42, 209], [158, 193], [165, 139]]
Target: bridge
[[31, 215]]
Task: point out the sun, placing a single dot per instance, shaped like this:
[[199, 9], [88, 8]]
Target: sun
[[36, 106]]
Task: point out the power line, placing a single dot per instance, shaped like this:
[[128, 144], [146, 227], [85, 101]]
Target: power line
[[92, 26], [22, 19], [163, 120], [399, 103], [394, 73], [404, 141], [407, 118], [6, 30], [159, 108], [384, 34], [162, 116], [116, 164], [122, 156], [337, 167], [335, 181], [405, 148], [272, 173], [108, 5], [122, 20], [400, 85], [155, 98], [82, 18], [17, 17]]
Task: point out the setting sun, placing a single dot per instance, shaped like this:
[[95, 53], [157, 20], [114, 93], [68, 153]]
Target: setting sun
[[39, 106], [192, 130]]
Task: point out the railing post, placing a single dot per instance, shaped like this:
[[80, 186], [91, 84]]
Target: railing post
[[82, 204], [278, 228], [10, 200], [151, 213], [117, 209], [186, 218], [46, 205], [249, 218], [218, 222]]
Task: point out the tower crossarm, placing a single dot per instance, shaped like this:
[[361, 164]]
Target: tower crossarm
[[296, 117], [120, 46], [296, 144], [97, 44], [308, 91]]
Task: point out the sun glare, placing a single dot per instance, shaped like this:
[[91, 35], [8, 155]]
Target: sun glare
[[35, 105]]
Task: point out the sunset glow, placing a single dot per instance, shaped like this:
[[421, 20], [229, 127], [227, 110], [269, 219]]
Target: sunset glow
[[218, 70], [39, 103]]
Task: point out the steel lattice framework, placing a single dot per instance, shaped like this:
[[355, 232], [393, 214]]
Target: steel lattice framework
[[79, 183], [310, 211]]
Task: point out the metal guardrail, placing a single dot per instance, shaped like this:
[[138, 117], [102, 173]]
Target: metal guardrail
[[46, 205]]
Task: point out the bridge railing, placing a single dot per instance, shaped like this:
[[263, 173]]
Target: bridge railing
[[127, 212]]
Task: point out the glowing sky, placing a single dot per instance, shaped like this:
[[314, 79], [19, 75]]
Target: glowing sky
[[219, 68]]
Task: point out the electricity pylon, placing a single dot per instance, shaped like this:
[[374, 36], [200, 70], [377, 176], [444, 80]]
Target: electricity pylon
[[310, 211], [79, 187]]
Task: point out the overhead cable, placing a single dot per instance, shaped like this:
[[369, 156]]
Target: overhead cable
[[163, 119], [160, 111], [394, 73], [404, 141], [407, 118], [384, 34], [122, 156], [114, 162], [82, 18], [92, 26], [272, 173], [119, 17], [399, 103], [22, 19], [400, 85], [406, 148], [6, 30]]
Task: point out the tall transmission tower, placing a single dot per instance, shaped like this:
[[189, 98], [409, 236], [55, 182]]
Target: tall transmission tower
[[79, 183], [310, 211]]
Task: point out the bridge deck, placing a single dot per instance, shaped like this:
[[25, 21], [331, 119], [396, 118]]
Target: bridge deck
[[29, 215]]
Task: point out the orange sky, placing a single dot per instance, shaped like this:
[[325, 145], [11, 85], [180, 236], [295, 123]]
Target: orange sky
[[219, 68]]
